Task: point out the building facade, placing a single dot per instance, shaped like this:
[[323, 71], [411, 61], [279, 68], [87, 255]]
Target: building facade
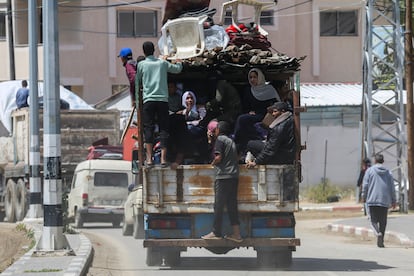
[[91, 33]]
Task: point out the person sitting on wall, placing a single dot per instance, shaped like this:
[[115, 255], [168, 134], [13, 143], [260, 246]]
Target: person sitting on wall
[[279, 147], [21, 95]]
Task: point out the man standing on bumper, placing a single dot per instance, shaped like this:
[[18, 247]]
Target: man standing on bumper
[[379, 194], [225, 187], [152, 73]]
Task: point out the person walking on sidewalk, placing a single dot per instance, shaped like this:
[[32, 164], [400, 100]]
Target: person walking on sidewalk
[[378, 194], [225, 186]]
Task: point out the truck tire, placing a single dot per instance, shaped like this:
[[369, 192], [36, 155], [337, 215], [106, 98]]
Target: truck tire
[[116, 223], [126, 228], [138, 228], [172, 258], [9, 201], [283, 258], [78, 220], [279, 259], [153, 257], [20, 203]]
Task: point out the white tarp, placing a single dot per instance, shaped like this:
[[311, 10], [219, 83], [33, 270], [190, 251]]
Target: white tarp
[[8, 91]]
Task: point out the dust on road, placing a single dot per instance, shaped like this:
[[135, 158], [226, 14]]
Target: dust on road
[[14, 243]]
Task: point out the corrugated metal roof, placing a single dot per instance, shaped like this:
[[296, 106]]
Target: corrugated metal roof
[[340, 94], [330, 94]]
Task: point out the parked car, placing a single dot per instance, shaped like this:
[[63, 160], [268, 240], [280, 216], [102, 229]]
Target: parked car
[[98, 191], [133, 215]]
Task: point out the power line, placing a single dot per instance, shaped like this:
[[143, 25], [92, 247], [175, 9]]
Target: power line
[[103, 6]]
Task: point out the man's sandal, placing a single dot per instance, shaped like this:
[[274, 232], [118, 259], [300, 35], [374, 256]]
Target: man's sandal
[[233, 238]]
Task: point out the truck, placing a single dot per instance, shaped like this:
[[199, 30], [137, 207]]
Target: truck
[[79, 129], [174, 207], [178, 204]]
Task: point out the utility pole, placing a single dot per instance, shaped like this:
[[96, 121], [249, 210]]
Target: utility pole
[[11, 40], [35, 183], [409, 89], [384, 73], [52, 237]]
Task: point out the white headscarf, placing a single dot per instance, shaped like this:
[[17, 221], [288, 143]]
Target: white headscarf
[[194, 108], [262, 91]]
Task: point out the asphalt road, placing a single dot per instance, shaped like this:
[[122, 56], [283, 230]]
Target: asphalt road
[[321, 253]]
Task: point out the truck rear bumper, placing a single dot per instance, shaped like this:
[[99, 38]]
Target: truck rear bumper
[[248, 242]]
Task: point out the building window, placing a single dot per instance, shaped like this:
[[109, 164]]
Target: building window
[[266, 18], [339, 23], [137, 24], [2, 25], [227, 18]]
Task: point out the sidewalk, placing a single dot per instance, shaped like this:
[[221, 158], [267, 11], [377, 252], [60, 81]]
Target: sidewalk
[[399, 226], [56, 263]]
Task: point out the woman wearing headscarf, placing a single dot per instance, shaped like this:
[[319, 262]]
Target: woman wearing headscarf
[[189, 101], [193, 114], [256, 100]]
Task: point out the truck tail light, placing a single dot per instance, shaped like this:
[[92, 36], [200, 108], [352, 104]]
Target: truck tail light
[[162, 224], [85, 199], [279, 222]]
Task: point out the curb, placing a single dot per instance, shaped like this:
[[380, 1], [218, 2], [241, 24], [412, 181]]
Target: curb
[[84, 256], [400, 238], [332, 208], [78, 265]]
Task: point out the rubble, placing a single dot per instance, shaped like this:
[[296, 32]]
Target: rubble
[[244, 56]]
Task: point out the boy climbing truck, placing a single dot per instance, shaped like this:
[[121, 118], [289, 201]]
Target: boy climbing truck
[[178, 204]]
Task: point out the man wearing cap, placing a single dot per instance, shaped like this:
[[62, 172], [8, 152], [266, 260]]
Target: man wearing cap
[[152, 74], [131, 69], [279, 147]]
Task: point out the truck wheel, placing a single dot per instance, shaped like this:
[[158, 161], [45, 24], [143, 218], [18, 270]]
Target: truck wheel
[[172, 258], [126, 228], [20, 203], [278, 259], [116, 223], [138, 227], [283, 258], [78, 220], [153, 257], [9, 201]]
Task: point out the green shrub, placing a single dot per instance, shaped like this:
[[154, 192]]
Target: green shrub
[[323, 193]]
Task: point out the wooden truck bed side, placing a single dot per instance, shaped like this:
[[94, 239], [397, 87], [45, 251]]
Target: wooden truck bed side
[[190, 189]]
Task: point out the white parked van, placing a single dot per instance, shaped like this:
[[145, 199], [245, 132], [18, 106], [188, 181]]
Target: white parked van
[[99, 190]]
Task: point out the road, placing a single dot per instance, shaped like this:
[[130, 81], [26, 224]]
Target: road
[[321, 253]]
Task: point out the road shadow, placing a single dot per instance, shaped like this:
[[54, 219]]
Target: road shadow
[[298, 264]]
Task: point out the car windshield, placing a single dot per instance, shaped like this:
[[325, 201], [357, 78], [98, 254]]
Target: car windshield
[[111, 179]]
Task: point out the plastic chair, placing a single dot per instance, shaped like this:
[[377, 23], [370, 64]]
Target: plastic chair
[[187, 37], [233, 6]]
